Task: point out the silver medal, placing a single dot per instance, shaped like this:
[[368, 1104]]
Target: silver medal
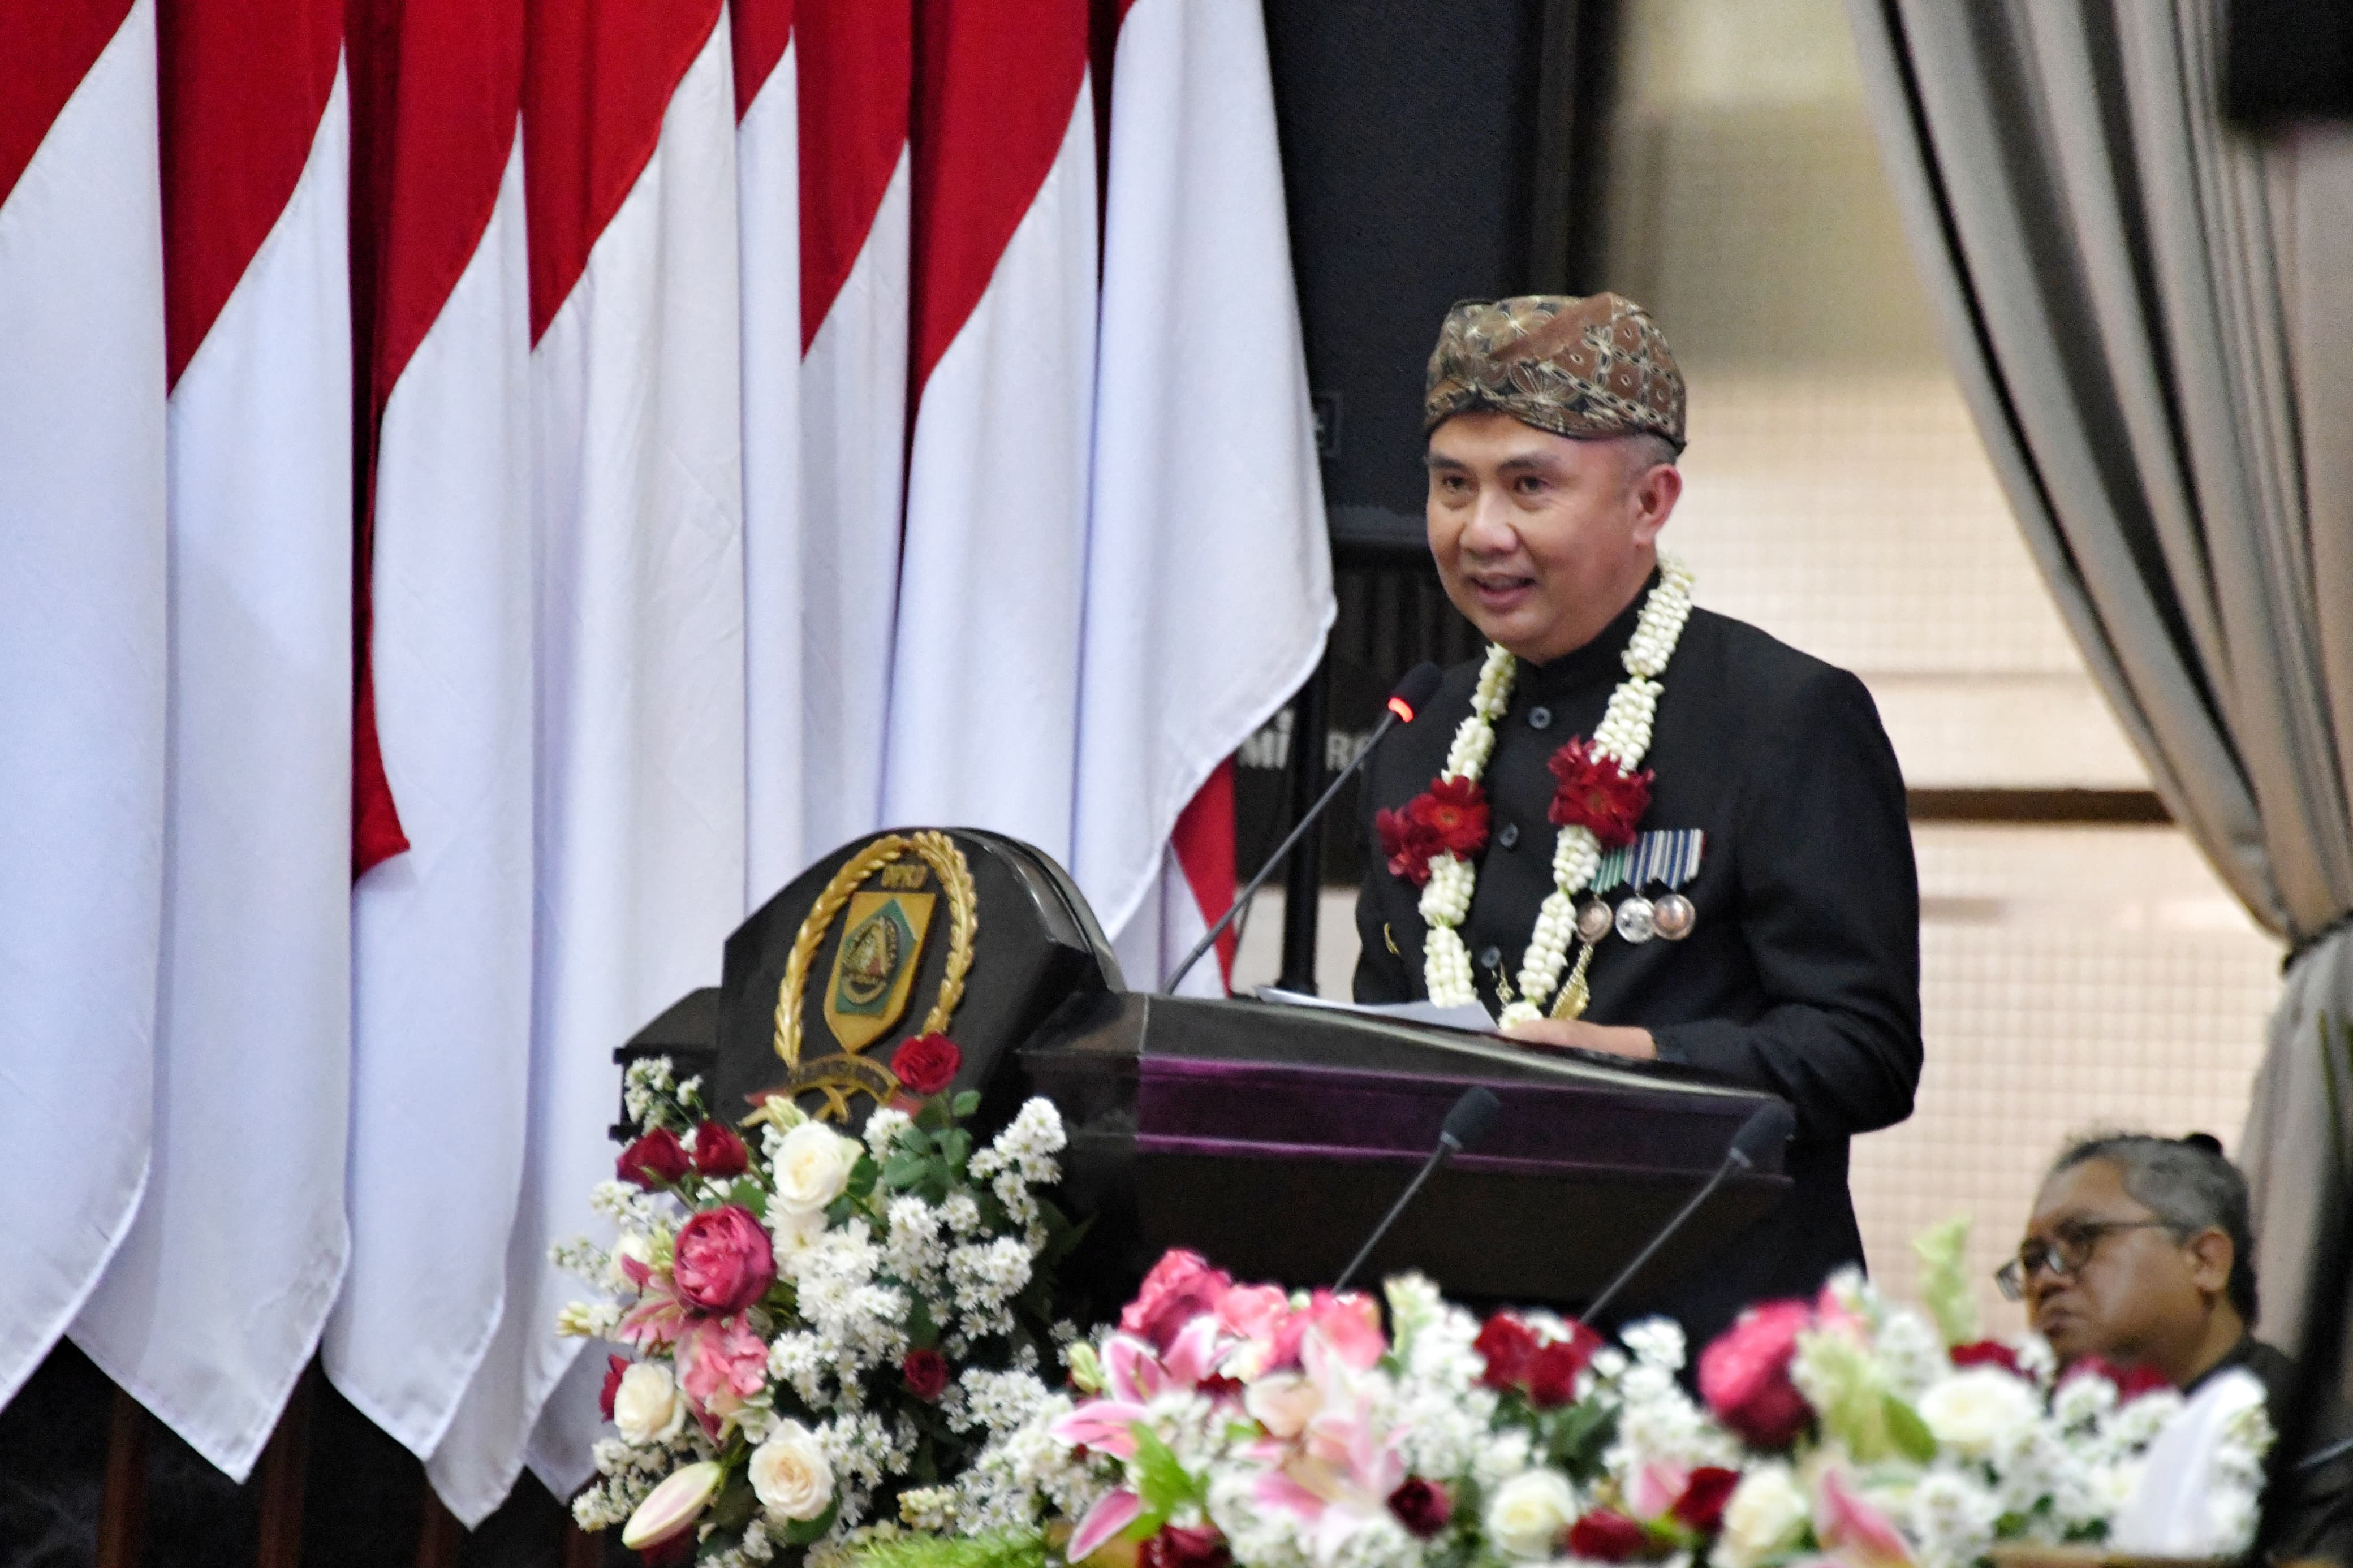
[[1673, 917], [1592, 921], [1637, 921]]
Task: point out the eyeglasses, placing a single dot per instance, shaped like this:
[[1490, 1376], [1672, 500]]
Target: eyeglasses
[[2069, 1248]]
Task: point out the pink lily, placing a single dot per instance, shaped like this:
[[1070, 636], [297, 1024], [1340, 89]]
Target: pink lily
[[1113, 1513], [1655, 1487], [1851, 1530], [660, 1317]]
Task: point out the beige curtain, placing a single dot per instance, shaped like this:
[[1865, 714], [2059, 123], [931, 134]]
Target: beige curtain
[[2151, 315]]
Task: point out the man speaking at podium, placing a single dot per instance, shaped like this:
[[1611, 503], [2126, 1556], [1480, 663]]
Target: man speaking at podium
[[1635, 827]]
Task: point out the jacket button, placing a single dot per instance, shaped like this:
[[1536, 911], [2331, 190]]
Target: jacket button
[[1509, 836], [1491, 957], [1539, 717]]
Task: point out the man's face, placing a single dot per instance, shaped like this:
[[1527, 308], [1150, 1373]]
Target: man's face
[[1541, 540], [2135, 1295]]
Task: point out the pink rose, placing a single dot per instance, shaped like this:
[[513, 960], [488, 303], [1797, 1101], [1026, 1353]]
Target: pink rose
[[1180, 1287], [725, 1363], [1745, 1374], [1256, 1312], [1349, 1326], [723, 1261]]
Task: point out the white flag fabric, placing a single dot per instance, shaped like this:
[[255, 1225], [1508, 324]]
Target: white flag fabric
[[638, 505], [1208, 583], [214, 1302], [985, 682], [441, 932], [855, 63], [768, 220], [81, 655]]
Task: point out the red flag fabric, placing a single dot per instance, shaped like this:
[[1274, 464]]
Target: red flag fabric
[[83, 644], [240, 1243], [441, 937]]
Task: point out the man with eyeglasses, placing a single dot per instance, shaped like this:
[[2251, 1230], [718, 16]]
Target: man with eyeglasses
[[2141, 1253]]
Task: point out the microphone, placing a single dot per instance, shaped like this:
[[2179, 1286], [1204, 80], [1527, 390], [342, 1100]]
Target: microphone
[[1420, 685], [1471, 1119], [1767, 1128]]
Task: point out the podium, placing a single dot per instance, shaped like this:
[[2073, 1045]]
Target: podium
[[1268, 1138]]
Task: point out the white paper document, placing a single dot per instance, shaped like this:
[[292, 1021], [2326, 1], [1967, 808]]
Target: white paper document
[[1464, 1016]]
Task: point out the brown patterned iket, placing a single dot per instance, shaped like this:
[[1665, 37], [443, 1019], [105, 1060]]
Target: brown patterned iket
[[1594, 367]]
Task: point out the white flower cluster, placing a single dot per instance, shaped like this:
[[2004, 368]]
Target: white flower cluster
[[643, 1082], [1020, 1474], [1623, 735]]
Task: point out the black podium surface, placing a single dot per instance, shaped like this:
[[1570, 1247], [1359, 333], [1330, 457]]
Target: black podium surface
[[1269, 1138]]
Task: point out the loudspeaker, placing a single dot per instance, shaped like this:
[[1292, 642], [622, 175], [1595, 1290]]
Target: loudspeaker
[[1431, 153]]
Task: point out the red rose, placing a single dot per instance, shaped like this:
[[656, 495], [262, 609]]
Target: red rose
[[1745, 1374], [2131, 1381], [721, 1262], [1986, 1352], [614, 1367], [926, 1373], [1704, 1495], [1177, 1546], [1508, 1346], [1421, 1507], [1604, 1536], [718, 1151], [656, 1160], [1180, 1287], [1596, 794], [1552, 1372], [926, 1063]]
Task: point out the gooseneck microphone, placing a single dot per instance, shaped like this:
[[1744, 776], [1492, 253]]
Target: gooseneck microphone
[[1767, 1127], [1471, 1119], [1420, 684]]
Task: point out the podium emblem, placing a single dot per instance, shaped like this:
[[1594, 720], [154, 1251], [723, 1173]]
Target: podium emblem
[[877, 962]]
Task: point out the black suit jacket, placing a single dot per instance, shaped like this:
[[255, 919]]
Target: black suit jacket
[[1803, 976]]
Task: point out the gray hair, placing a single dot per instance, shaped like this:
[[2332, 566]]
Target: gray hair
[[2188, 1184]]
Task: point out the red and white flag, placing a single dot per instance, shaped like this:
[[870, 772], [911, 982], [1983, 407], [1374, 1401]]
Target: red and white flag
[[442, 811], [215, 1300], [985, 681], [769, 224], [630, 179], [1208, 584], [82, 644], [856, 60]]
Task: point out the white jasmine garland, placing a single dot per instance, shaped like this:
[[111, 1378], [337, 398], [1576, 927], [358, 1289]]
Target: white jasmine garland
[[1623, 735]]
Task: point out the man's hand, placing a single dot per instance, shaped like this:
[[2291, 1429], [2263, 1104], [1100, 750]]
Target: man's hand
[[1615, 1041]]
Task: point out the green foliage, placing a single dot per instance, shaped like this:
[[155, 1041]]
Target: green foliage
[[1161, 1479], [1908, 1432], [997, 1549], [801, 1531], [1943, 1251], [1576, 1438], [1852, 1396]]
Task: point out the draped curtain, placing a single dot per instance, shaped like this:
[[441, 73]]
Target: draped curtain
[[2145, 309]]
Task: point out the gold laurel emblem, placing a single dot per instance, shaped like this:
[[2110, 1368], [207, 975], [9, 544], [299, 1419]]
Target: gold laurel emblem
[[875, 967]]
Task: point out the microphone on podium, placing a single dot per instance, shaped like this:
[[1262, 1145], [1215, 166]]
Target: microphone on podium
[[1420, 685], [1767, 1127], [1472, 1118]]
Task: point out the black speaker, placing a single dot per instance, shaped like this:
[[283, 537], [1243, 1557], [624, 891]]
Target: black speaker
[[1431, 153]]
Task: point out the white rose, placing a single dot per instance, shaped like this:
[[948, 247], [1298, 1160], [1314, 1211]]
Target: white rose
[[1765, 1514], [813, 1164], [791, 1474], [647, 1407], [1529, 1511], [1977, 1409]]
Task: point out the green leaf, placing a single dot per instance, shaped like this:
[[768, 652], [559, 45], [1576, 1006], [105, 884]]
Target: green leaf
[[1943, 1251], [861, 1177], [751, 1194], [1577, 1435], [923, 1333], [1909, 1433], [802, 1532], [956, 1148], [732, 1510], [1161, 1481], [965, 1104], [901, 1172]]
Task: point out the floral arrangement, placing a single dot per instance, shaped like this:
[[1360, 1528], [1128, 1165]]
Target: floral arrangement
[[827, 1329]]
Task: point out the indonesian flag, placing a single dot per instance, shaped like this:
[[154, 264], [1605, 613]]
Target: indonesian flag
[[441, 913], [215, 1300], [856, 60], [985, 683], [768, 222], [1209, 583], [630, 179], [82, 644]]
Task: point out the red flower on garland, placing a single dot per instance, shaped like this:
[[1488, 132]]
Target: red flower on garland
[[1596, 794], [1448, 817]]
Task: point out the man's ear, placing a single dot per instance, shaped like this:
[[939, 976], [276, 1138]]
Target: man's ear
[[1655, 494], [2211, 1257]]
